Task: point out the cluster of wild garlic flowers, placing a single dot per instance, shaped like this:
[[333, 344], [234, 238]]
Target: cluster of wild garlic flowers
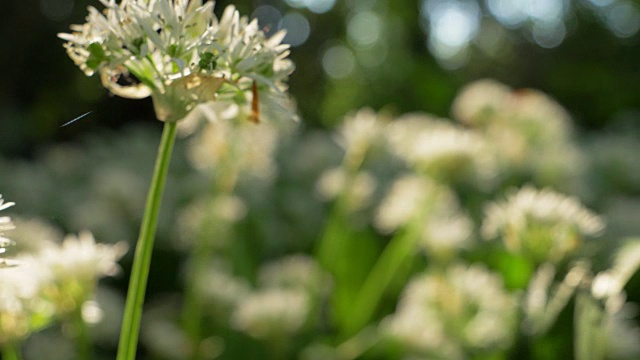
[[542, 224], [440, 149], [47, 280], [450, 315], [179, 53], [531, 132], [414, 199], [288, 295]]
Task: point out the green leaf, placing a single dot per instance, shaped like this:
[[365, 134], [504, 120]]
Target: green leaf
[[96, 56]]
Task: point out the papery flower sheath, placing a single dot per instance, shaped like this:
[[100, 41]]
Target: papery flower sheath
[[179, 53]]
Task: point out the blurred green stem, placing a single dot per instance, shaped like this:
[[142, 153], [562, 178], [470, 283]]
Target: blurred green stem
[[394, 262], [82, 339], [192, 310], [11, 351], [142, 257], [589, 336]]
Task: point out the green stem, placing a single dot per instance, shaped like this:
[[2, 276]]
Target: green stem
[[142, 258], [394, 263], [192, 311], [11, 351], [82, 339]]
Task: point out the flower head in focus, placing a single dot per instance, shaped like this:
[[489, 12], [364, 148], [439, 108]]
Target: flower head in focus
[[541, 224], [179, 53]]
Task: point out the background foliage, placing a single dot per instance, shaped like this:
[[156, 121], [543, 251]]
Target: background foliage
[[93, 175]]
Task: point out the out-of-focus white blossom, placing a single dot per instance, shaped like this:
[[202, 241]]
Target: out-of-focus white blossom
[[22, 309], [72, 269], [441, 149], [221, 290], [272, 313], [235, 149], [540, 224], [5, 225], [357, 190], [294, 272], [360, 133], [530, 131], [414, 198], [626, 263], [32, 235], [208, 219], [452, 314], [179, 53], [479, 100]]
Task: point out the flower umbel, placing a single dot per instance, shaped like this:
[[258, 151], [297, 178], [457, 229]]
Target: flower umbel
[[543, 224], [179, 53]]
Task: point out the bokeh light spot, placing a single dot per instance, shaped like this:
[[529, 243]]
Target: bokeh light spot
[[268, 18], [365, 28], [316, 6], [320, 6], [338, 61], [297, 26], [624, 19], [548, 35]]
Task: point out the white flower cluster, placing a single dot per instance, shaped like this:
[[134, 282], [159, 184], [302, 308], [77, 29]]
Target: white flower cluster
[[52, 282], [290, 291], [5, 225], [453, 314], [414, 198], [541, 223], [234, 150], [441, 149], [180, 53], [531, 131]]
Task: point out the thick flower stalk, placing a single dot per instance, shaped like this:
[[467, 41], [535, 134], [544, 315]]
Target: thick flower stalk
[[180, 54]]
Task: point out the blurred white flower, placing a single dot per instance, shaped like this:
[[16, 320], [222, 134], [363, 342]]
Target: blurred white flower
[[179, 53], [209, 219], [358, 190], [294, 272], [626, 263], [412, 198], [452, 314], [235, 149], [5, 225], [272, 313], [530, 131], [221, 290], [33, 234], [72, 269], [359, 133], [442, 149], [479, 100], [22, 309], [542, 224]]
